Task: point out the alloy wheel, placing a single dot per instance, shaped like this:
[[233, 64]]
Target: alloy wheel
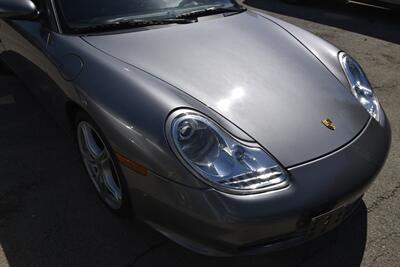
[[99, 165]]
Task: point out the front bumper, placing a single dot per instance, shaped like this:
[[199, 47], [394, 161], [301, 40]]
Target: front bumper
[[216, 223]]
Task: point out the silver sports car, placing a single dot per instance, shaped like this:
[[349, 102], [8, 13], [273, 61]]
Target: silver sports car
[[227, 130]]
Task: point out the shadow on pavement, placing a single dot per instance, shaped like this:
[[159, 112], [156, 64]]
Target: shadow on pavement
[[51, 216], [373, 22]]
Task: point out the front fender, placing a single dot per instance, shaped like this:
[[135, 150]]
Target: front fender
[[324, 51]]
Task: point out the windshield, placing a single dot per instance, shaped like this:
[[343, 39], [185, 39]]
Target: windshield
[[86, 12]]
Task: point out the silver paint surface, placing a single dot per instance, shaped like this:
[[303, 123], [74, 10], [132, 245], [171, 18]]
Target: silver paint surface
[[253, 73]]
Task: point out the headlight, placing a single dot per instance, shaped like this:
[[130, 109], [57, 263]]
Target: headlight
[[360, 86], [219, 159]]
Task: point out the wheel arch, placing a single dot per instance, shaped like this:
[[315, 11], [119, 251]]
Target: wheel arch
[[71, 109]]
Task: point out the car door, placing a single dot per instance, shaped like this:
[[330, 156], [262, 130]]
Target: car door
[[24, 43], [24, 46]]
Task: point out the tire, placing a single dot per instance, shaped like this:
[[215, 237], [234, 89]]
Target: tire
[[101, 165], [4, 69]]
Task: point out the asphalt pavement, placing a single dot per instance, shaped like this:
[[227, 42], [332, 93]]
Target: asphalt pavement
[[51, 216]]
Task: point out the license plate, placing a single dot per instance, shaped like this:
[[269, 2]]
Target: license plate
[[326, 222]]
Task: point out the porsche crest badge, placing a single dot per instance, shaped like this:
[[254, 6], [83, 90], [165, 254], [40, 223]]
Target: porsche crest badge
[[328, 123]]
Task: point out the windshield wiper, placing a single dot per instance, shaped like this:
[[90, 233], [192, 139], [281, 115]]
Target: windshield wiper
[[211, 11], [129, 23]]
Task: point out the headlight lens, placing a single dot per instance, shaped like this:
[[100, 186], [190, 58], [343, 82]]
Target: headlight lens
[[360, 86], [221, 160]]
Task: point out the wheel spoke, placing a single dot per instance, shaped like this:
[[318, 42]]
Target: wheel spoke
[[91, 145], [103, 157], [89, 159], [112, 188], [100, 181]]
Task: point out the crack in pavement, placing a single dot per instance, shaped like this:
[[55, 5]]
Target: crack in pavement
[[377, 257], [382, 198], [386, 87], [384, 238]]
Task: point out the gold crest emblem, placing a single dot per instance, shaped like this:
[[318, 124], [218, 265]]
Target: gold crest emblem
[[328, 123]]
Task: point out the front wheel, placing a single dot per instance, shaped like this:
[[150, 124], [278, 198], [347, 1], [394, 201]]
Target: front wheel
[[101, 166]]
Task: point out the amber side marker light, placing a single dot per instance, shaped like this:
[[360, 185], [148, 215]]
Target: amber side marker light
[[130, 164]]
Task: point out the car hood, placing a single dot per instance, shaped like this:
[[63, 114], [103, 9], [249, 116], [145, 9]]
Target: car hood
[[255, 74]]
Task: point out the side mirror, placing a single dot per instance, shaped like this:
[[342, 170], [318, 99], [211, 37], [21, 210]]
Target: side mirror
[[18, 9]]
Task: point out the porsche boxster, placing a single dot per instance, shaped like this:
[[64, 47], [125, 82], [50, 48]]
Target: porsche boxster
[[227, 130]]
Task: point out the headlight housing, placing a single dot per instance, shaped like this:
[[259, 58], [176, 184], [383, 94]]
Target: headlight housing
[[219, 159], [360, 86]]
